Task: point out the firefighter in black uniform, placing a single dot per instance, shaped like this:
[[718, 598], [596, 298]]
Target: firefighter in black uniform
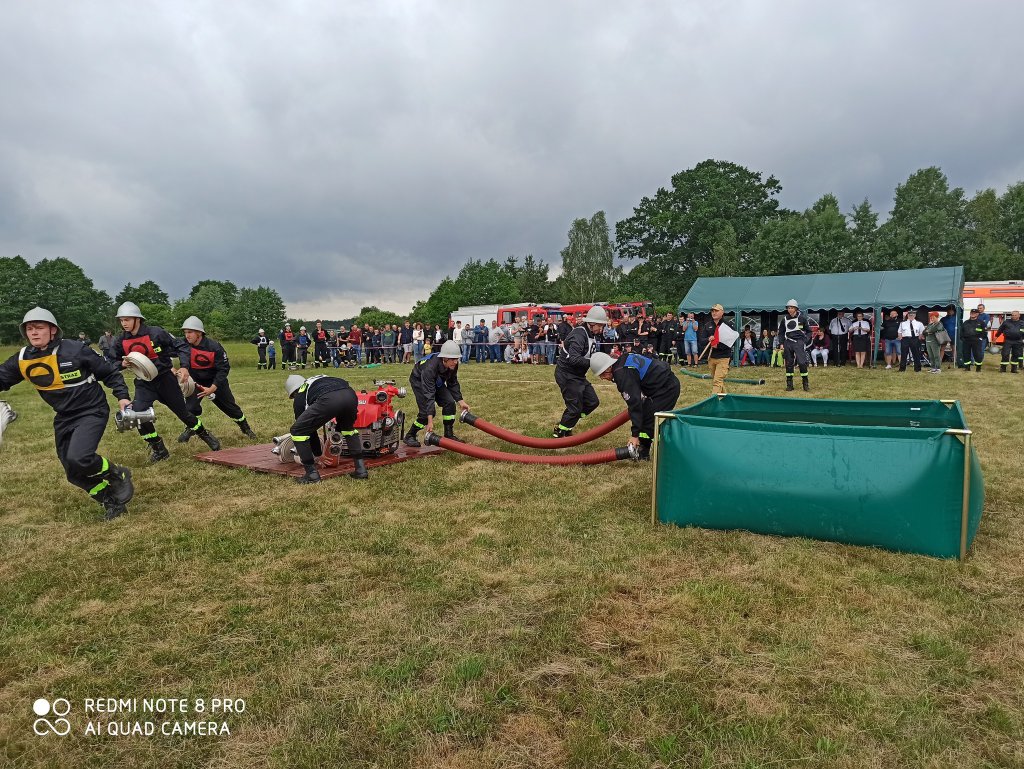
[[207, 363], [65, 372], [667, 341], [571, 371], [261, 342], [974, 335], [435, 382], [1012, 330], [795, 333], [316, 402], [287, 339], [321, 357], [647, 386], [159, 346]]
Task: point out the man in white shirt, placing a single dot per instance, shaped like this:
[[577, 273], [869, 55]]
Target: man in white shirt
[[838, 329], [911, 331]]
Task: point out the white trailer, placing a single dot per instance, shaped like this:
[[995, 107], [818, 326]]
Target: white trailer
[[486, 312]]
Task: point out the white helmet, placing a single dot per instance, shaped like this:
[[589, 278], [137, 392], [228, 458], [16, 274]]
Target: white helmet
[[793, 303], [600, 362], [38, 313], [302, 328], [293, 383], [192, 323], [261, 331], [450, 349], [129, 310], [596, 315]]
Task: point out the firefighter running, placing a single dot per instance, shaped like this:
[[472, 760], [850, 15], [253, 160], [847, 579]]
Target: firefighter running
[[316, 402], [435, 382], [571, 371], [157, 345], [1012, 330], [65, 373], [207, 363], [795, 332], [646, 385]]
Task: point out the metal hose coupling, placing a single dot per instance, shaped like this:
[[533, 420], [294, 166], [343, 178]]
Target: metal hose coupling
[[432, 439], [130, 419], [467, 418], [633, 451]]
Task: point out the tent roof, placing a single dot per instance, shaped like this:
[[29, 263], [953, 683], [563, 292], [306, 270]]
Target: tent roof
[[936, 286]]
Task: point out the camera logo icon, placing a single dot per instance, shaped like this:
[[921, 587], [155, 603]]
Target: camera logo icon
[[60, 726]]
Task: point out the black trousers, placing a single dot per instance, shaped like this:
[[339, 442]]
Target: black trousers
[[794, 354], [77, 439], [974, 349], [578, 394], [839, 342], [339, 405], [662, 401], [164, 389], [320, 353], [1012, 354], [442, 398], [287, 353], [910, 345], [262, 353], [224, 400], [667, 346]]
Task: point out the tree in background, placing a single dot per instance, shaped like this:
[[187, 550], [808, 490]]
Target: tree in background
[[532, 279], [676, 230], [863, 254], [148, 292], [478, 282], [255, 308], [589, 273], [227, 291], [16, 292], [377, 317], [62, 287], [928, 224]]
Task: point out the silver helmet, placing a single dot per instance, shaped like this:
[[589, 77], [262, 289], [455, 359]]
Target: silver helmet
[[192, 323], [129, 310], [40, 314]]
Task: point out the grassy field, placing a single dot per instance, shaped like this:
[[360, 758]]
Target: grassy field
[[458, 613]]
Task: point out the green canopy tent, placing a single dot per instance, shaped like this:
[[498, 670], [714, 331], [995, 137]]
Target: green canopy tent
[[933, 287]]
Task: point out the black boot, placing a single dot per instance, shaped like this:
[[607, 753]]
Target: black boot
[[359, 472], [449, 432], [1013, 369], [807, 385], [561, 432], [645, 448], [789, 384], [119, 484], [311, 476], [111, 507], [158, 451], [185, 436], [410, 437], [246, 430], [207, 437]]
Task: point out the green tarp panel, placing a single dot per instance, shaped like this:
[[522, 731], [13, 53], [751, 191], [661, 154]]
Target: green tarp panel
[[935, 287], [880, 473]]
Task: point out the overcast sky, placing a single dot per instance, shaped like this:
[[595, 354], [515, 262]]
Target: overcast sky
[[350, 153]]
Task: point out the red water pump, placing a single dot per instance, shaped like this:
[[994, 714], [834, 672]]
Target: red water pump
[[380, 426]]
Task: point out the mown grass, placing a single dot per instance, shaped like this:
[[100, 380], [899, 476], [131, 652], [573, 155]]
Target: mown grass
[[458, 613]]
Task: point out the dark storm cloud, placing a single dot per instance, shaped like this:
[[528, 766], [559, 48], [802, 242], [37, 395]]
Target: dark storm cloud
[[352, 153]]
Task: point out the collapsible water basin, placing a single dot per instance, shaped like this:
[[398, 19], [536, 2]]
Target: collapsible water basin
[[900, 475]]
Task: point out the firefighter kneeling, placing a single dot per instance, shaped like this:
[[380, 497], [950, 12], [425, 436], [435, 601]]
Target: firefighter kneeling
[[435, 381], [317, 401], [647, 386]]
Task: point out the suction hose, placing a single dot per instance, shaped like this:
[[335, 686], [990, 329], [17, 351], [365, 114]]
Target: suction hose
[[478, 452], [545, 443], [727, 379]]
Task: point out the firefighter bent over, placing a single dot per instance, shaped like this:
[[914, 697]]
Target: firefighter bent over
[[1012, 330], [65, 373], [571, 371], [795, 333], [157, 345], [316, 402], [207, 363], [435, 382], [646, 385]]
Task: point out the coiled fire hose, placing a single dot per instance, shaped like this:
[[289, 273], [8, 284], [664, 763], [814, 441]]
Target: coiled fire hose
[[545, 443], [478, 452], [727, 379]]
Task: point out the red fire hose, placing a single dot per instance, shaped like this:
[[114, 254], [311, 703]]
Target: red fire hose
[[478, 452], [545, 443]]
